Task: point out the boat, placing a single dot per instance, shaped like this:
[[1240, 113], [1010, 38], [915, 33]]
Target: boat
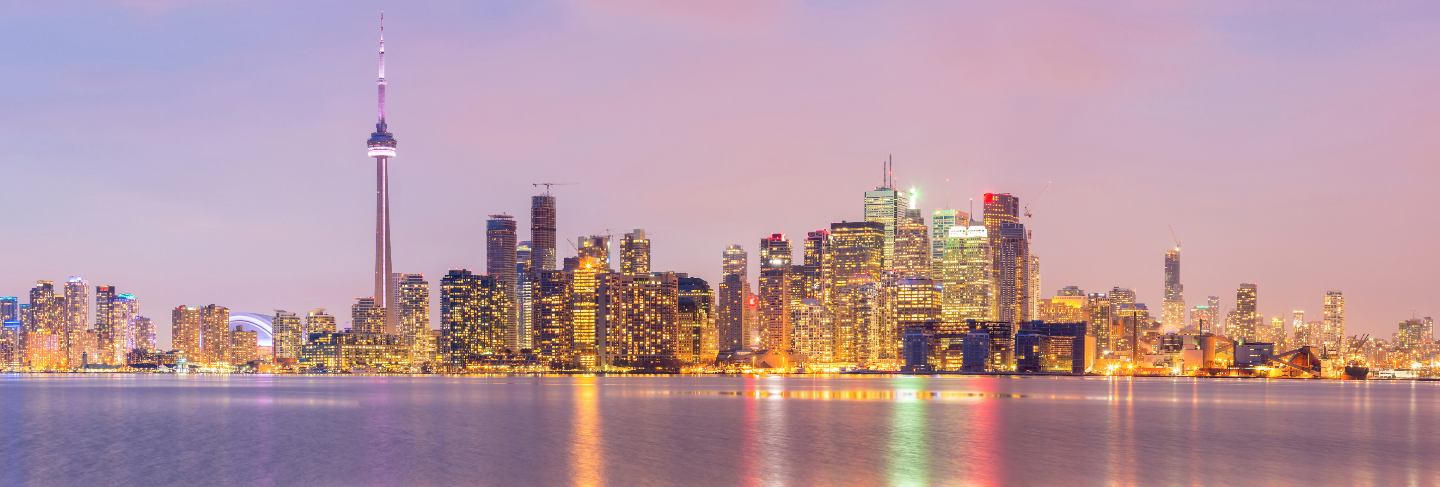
[[1356, 372]]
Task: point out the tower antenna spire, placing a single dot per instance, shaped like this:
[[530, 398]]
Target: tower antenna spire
[[380, 81]]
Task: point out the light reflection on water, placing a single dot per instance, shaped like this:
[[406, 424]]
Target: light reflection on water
[[841, 430]]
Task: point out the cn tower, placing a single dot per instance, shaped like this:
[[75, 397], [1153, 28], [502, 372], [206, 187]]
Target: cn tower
[[382, 147]]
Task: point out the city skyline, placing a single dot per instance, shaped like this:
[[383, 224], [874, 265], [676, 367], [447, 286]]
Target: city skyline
[[267, 252]]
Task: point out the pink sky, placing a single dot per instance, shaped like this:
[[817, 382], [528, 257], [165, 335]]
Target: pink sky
[[198, 152]]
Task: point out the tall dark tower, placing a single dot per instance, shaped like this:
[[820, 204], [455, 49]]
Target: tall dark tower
[[542, 232], [382, 147]]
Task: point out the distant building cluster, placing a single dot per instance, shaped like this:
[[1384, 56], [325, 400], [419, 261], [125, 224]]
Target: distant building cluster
[[887, 292]]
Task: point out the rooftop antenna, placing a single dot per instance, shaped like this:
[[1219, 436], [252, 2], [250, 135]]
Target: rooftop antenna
[[890, 171]]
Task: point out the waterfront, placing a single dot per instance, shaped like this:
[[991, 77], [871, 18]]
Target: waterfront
[[898, 430]]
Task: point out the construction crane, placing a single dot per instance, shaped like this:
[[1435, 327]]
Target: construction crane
[[1037, 198], [548, 185], [1173, 237], [1030, 231]]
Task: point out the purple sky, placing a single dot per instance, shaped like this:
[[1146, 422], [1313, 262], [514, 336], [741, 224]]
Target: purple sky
[[198, 152]]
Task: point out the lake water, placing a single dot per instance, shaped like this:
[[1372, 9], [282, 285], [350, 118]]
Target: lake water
[[260, 430]]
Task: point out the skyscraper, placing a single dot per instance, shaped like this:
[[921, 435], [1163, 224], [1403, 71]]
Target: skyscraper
[[414, 310], [381, 147], [940, 223], [472, 313], [734, 287], [126, 309], [106, 329], [500, 241], [285, 337], [185, 332], [696, 308], [1247, 315], [42, 329], [635, 253], [886, 205], [215, 333], [1173, 308], [1012, 272], [366, 316], [775, 293], [596, 247], [145, 334], [77, 317], [1334, 319], [912, 246], [967, 280], [554, 340], [542, 231], [585, 312], [853, 271], [642, 327], [1010, 254], [318, 321], [525, 276]]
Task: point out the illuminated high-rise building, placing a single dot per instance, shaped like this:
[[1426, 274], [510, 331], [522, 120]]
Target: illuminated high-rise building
[[595, 247], [318, 321], [185, 332], [1414, 333], [554, 340], [125, 311], [381, 147], [1101, 316], [1273, 333], [886, 205], [912, 246], [414, 309], [244, 345], [1000, 208], [215, 333], [734, 287], [813, 332], [1173, 308], [1012, 273], [542, 231], [1247, 314], [77, 317], [42, 329], [941, 221], [696, 314], [917, 302], [525, 276], [641, 325], [1065, 309], [810, 274], [853, 271], [1203, 316], [966, 279], [775, 293], [12, 352], [585, 312], [472, 318], [635, 253], [1333, 310], [1302, 333], [145, 339], [1033, 287], [366, 316], [106, 329], [285, 338], [500, 243]]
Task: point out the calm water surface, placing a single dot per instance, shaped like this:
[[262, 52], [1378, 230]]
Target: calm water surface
[[259, 430]]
